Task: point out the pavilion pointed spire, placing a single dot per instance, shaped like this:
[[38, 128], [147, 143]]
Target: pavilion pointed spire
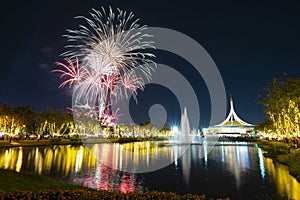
[[233, 119]]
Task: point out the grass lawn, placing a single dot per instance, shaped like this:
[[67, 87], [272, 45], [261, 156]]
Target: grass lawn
[[15, 185], [11, 181]]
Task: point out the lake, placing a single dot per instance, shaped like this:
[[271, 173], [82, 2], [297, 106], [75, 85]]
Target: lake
[[228, 169]]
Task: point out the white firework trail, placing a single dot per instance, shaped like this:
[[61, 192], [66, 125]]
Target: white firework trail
[[117, 38]]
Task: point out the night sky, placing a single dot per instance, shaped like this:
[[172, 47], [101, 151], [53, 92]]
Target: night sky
[[251, 43]]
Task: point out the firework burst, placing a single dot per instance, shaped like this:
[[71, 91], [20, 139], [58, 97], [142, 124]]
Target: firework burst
[[114, 37], [110, 60]]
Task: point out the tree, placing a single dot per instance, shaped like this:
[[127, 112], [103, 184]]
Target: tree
[[5, 120], [281, 103], [56, 122], [17, 120]]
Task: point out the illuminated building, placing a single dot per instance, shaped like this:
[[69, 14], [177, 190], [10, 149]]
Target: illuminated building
[[231, 126]]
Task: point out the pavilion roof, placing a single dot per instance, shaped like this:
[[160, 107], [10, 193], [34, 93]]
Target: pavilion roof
[[233, 119]]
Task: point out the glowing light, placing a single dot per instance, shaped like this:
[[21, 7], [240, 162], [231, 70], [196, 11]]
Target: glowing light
[[175, 129], [79, 159], [48, 159], [38, 164], [19, 160], [261, 163], [6, 159]]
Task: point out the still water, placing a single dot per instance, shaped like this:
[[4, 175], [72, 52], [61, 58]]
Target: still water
[[235, 170]]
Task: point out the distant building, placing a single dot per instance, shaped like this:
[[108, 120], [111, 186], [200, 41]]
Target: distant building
[[231, 126]]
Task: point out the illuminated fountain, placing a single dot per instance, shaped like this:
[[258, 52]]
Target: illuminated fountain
[[185, 135], [185, 132]]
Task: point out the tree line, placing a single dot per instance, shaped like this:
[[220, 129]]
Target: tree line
[[25, 120]]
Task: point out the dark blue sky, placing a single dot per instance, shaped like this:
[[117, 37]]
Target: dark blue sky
[[251, 43]]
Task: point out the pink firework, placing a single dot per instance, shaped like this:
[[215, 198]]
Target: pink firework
[[132, 83], [73, 73], [110, 82]]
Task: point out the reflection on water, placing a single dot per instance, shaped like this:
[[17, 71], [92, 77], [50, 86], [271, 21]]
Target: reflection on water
[[63, 160], [286, 185], [104, 178], [11, 159], [261, 163], [137, 157], [236, 158], [239, 168]]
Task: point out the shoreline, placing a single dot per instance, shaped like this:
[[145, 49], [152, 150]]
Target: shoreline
[[283, 154], [76, 141]]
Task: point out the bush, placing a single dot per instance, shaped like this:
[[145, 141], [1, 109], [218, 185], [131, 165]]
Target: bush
[[280, 148], [274, 148], [284, 159], [295, 171]]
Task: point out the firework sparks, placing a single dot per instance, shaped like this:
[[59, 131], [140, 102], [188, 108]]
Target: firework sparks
[[73, 72], [108, 53], [132, 83], [114, 37]]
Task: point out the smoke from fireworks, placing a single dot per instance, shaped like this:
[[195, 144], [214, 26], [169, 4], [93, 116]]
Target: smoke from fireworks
[[110, 60]]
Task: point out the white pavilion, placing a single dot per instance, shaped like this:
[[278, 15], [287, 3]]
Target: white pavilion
[[231, 126]]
